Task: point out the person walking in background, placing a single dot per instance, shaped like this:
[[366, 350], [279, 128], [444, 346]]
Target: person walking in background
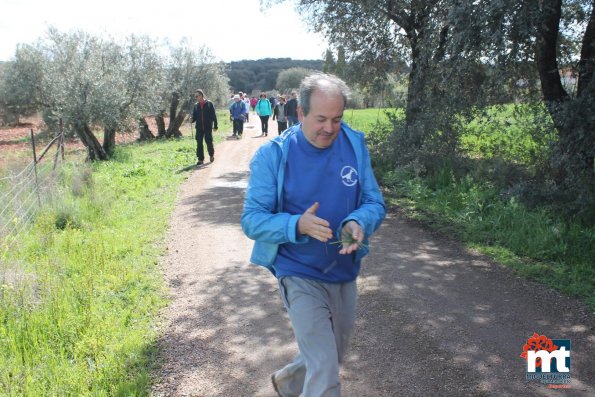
[[272, 100], [263, 110], [279, 113], [246, 101], [253, 102], [292, 106], [311, 205], [237, 113], [205, 117]]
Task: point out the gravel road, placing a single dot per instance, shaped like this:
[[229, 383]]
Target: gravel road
[[434, 319]]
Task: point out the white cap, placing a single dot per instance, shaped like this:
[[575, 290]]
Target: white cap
[[236, 96]]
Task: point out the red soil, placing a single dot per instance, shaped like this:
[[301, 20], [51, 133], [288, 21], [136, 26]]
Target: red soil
[[15, 141]]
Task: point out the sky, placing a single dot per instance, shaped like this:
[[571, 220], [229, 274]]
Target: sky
[[232, 29]]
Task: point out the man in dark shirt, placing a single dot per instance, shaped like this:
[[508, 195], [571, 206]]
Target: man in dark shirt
[[203, 114], [291, 109]]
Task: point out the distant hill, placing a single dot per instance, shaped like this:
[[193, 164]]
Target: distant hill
[[262, 74]]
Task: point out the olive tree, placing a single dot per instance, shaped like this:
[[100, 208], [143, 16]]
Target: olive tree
[[89, 82], [72, 76], [132, 75], [187, 69], [19, 89]]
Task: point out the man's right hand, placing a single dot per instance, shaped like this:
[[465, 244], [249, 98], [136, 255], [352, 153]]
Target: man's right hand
[[313, 226]]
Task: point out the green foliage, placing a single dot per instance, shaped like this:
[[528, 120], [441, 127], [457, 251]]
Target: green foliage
[[520, 134], [93, 82], [291, 78], [87, 80], [329, 62], [19, 92], [189, 68], [261, 75], [341, 65], [80, 293]]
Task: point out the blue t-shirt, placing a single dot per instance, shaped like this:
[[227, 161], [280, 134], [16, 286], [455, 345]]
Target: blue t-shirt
[[328, 176]]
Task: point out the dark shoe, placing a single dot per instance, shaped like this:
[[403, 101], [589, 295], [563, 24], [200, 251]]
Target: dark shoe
[[212, 158], [200, 162]]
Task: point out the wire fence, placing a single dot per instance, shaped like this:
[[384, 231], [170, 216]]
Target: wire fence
[[23, 193]]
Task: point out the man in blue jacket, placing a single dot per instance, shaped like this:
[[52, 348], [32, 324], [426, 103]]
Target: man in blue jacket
[[238, 111], [311, 204]]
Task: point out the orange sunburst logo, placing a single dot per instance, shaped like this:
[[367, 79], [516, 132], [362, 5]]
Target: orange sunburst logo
[[536, 343]]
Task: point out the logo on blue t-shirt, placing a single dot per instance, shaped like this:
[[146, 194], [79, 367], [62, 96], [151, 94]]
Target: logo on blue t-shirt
[[349, 175]]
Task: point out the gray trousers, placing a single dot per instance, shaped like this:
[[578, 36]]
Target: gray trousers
[[322, 316]]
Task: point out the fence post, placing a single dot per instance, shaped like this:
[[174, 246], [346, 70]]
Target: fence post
[[35, 167], [62, 138], [60, 147]]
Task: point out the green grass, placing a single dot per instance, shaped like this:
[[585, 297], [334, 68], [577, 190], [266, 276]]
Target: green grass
[[365, 119], [80, 294], [536, 243], [510, 133]]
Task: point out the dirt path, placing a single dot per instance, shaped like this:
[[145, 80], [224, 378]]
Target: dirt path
[[434, 319]]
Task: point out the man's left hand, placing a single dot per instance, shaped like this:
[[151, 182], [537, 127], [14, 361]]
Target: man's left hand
[[353, 232]]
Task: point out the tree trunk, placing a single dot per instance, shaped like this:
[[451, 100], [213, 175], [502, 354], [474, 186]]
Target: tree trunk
[[570, 116], [94, 149], [416, 97], [109, 140], [547, 63], [144, 131], [173, 111], [176, 123], [159, 119], [586, 88]]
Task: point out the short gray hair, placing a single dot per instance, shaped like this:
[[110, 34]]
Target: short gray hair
[[323, 82]]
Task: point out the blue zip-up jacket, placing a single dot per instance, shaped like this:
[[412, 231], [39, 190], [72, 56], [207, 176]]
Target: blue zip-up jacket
[[263, 219], [237, 110]]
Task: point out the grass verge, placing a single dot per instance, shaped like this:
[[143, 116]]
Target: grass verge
[[80, 294], [537, 244]]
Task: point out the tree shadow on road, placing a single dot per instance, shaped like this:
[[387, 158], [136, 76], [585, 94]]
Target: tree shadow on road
[[221, 202], [444, 321]]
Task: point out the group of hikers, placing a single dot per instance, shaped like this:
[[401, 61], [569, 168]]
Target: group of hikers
[[282, 110], [205, 119]]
